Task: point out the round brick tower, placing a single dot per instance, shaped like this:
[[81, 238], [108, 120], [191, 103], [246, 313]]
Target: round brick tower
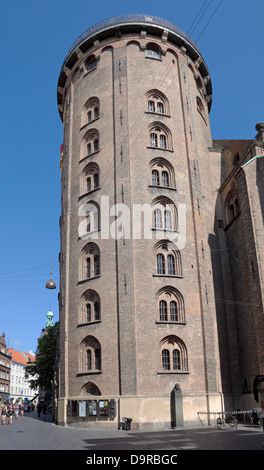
[[138, 335]]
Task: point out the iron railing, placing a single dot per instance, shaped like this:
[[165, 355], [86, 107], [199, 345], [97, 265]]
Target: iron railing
[[123, 19]]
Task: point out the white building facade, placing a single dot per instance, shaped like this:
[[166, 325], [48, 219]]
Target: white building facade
[[20, 386]]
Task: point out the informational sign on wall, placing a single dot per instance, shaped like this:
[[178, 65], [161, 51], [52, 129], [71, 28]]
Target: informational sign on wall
[[103, 408], [92, 408], [82, 409]]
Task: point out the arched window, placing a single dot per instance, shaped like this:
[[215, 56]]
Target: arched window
[[90, 355], [90, 143], [199, 83], [164, 178], [89, 359], [88, 268], [200, 107], [90, 178], [163, 311], [90, 261], [162, 173], [171, 264], [97, 359], [160, 137], [158, 219], [232, 207], [96, 310], [90, 310], [236, 158], [163, 219], [160, 264], [170, 305], [174, 311], [92, 182], [96, 264], [155, 178], [90, 389], [96, 111], [165, 359], [151, 106], [89, 225], [165, 214], [153, 51], [173, 354], [158, 140], [157, 102], [91, 111], [153, 139], [160, 107], [168, 219], [176, 359], [91, 63], [163, 141]]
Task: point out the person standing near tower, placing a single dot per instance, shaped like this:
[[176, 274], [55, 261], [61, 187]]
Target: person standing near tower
[[16, 409], [3, 414], [10, 413]]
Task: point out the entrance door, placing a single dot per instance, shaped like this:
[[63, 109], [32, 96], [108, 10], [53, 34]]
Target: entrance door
[[176, 407]]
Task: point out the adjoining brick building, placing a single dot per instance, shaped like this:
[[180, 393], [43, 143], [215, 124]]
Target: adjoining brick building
[[5, 368], [161, 311]]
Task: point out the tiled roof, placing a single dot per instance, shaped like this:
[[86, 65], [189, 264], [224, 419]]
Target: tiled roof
[[30, 357], [20, 358]]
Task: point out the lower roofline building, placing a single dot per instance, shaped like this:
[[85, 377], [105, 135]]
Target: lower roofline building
[[20, 389], [5, 368]]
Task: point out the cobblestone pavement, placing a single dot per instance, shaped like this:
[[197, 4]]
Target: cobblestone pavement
[[29, 433]]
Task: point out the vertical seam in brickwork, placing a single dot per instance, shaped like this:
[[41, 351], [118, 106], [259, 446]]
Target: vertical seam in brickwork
[[67, 249], [116, 244], [132, 286], [195, 232]]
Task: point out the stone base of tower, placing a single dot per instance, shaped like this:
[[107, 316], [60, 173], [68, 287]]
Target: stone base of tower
[[145, 412]]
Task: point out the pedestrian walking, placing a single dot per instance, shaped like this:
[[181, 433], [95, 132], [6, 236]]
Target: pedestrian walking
[[4, 411], [39, 410], [22, 409], [16, 409], [44, 409], [10, 413]]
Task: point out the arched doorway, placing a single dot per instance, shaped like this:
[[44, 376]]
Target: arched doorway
[[176, 407], [91, 389]]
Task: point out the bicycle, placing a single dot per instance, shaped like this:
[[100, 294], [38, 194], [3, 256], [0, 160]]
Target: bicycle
[[229, 419]]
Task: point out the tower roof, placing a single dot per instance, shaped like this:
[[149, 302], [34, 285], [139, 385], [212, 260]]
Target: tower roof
[[49, 318], [135, 23]]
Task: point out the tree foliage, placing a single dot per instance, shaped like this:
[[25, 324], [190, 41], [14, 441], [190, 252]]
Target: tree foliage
[[41, 370]]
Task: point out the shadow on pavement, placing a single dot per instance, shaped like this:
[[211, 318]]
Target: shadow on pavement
[[33, 414]]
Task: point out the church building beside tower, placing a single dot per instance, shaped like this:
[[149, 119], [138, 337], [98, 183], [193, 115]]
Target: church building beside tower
[[161, 261]]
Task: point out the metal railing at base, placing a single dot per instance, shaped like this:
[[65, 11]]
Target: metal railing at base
[[243, 416]]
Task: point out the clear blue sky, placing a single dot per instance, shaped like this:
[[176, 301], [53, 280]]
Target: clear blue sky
[[35, 38]]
